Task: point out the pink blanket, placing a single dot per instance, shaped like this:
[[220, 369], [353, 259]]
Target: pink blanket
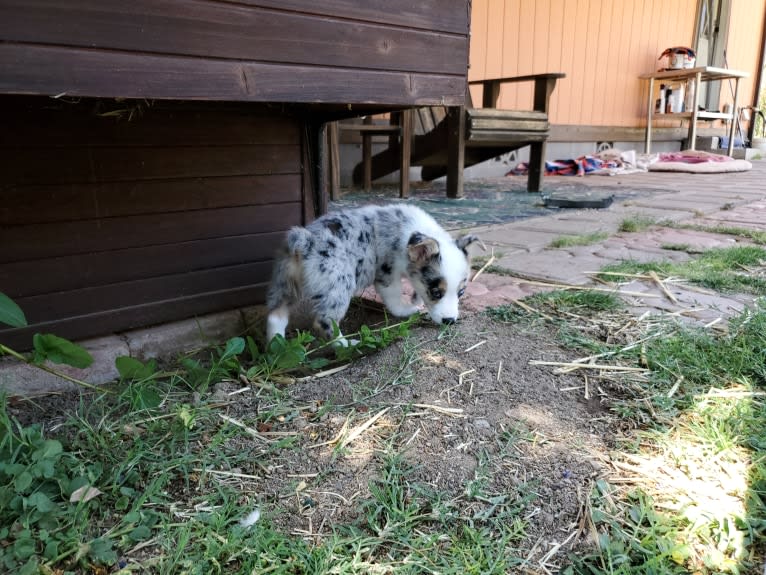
[[693, 157]]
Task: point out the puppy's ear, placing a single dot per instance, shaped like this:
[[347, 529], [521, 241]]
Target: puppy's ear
[[464, 241], [421, 248]]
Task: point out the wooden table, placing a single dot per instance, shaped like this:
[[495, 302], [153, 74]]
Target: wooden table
[[699, 75]]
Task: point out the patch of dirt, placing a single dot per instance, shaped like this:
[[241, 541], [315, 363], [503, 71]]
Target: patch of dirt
[[466, 409], [462, 407]]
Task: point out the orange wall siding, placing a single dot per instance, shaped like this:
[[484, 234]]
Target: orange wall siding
[[602, 46], [742, 48]]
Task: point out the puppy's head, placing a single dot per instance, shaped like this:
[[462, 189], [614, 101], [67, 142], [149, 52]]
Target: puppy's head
[[439, 273]]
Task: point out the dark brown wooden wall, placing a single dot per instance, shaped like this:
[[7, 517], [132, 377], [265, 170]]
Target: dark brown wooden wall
[[391, 52], [109, 222]]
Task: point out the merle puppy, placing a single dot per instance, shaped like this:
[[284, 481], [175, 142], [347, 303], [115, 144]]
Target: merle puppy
[[339, 255]]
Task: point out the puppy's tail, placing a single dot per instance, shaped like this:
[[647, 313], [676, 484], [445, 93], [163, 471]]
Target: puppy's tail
[[298, 244], [287, 277]]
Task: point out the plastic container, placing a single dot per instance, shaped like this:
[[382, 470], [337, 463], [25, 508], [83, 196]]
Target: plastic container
[[679, 57], [661, 101]]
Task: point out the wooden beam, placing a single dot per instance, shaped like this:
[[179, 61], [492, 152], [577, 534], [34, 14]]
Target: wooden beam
[[367, 156], [333, 153], [405, 147], [455, 151]]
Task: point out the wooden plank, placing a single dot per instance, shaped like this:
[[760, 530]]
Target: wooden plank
[[500, 125], [73, 165], [439, 15], [47, 275], [66, 238], [374, 129], [45, 70], [502, 138], [224, 30], [45, 203], [89, 325], [60, 305], [510, 115], [29, 122]]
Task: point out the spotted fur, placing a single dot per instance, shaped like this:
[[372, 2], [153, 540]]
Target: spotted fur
[[324, 264]]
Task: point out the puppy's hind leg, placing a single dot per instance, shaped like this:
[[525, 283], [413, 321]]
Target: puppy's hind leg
[[323, 325], [277, 322], [283, 293]]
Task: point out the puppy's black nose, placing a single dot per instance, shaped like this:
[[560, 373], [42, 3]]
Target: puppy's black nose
[[448, 320]]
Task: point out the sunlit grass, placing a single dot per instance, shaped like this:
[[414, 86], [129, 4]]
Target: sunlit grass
[[687, 493], [723, 269]]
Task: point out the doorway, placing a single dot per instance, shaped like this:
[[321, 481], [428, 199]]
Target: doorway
[[711, 33]]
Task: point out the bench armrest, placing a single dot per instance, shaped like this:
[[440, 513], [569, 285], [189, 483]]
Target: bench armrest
[[544, 86]]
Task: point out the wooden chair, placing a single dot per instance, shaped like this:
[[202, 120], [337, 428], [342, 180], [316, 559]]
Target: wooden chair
[[446, 140], [399, 132]]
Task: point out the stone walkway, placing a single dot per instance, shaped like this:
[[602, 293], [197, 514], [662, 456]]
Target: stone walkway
[[521, 247]]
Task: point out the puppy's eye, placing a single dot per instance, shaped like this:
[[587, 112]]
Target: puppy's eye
[[435, 293], [461, 292]]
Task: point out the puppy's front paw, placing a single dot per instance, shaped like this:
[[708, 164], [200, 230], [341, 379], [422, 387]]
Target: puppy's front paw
[[403, 310], [343, 342]]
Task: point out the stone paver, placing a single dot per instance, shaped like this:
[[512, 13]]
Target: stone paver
[[721, 200]]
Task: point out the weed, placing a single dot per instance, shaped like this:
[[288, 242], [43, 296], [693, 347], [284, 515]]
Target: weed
[[477, 262], [756, 236], [678, 248], [578, 240], [636, 224]]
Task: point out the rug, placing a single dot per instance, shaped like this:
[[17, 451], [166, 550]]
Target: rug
[[698, 162]]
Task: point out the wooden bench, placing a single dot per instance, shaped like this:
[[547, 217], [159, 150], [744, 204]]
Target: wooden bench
[[447, 139]]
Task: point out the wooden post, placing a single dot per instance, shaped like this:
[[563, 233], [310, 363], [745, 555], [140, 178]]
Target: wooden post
[[405, 149], [367, 156], [490, 94], [455, 151], [333, 153], [536, 166]]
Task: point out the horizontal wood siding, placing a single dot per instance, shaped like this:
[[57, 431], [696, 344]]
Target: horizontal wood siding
[[298, 51], [110, 223]]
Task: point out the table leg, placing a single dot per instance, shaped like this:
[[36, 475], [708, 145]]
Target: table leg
[[732, 130], [649, 112], [695, 112]]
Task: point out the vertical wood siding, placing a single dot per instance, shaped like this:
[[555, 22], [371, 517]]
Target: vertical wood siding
[[108, 224], [742, 48], [602, 46]]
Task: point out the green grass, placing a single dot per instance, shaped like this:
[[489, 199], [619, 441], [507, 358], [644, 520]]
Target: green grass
[[689, 448], [578, 240], [636, 224], [714, 443], [726, 269], [756, 236], [697, 452]]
